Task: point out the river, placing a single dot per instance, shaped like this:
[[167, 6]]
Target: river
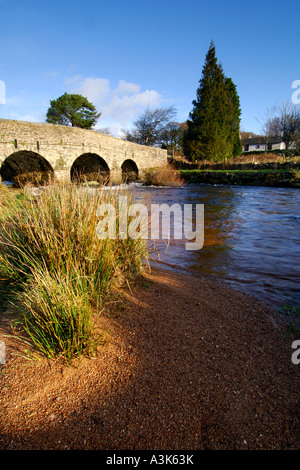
[[251, 238]]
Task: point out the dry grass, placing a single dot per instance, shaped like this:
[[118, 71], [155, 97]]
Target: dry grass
[[262, 157], [162, 176]]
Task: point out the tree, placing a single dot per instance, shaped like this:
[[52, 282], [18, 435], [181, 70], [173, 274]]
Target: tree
[[104, 130], [171, 136], [265, 127], [72, 110], [233, 118], [149, 126], [285, 123], [213, 124]]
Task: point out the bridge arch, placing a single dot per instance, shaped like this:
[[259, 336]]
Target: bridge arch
[[26, 166], [90, 167], [130, 171]]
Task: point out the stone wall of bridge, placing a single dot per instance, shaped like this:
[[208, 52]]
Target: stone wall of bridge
[[61, 146]]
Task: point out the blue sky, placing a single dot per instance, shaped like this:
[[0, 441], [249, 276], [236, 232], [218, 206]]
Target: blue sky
[[126, 55]]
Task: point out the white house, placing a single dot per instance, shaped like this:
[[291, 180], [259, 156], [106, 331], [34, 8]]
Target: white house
[[258, 144]]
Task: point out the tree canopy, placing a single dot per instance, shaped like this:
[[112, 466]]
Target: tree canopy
[[150, 126], [213, 124], [172, 135], [72, 110]]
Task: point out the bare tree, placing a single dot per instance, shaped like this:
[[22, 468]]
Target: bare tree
[[171, 136], [284, 122], [265, 127], [149, 126], [104, 130]]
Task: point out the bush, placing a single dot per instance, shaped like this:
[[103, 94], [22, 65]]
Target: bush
[[162, 176]]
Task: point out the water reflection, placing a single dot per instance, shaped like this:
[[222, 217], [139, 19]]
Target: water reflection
[[251, 238]]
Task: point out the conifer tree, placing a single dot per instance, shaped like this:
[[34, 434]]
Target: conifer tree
[[72, 110], [234, 113], [213, 127]]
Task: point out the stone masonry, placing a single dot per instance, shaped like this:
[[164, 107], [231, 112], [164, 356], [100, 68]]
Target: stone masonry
[[62, 145]]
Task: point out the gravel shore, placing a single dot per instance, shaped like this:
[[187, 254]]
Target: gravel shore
[[189, 364]]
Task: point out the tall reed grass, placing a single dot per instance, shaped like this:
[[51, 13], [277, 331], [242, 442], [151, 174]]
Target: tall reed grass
[[49, 249]]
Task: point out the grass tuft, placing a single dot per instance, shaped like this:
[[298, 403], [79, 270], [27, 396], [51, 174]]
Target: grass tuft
[[50, 251]]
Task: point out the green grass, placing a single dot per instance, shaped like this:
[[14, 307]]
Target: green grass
[[59, 317], [294, 314], [263, 177], [290, 310], [60, 271]]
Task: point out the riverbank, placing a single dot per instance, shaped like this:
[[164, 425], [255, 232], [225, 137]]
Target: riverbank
[[273, 178], [189, 364]]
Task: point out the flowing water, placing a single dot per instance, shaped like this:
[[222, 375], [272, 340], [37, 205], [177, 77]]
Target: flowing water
[[251, 238]]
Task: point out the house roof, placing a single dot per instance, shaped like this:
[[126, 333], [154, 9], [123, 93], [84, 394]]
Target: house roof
[[261, 140]]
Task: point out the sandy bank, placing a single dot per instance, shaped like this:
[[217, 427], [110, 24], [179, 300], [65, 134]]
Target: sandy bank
[[189, 364]]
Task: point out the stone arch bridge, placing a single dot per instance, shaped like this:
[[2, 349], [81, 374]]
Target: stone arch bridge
[[69, 153]]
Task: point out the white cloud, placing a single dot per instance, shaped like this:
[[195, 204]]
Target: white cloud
[[95, 89], [124, 88], [118, 106]]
